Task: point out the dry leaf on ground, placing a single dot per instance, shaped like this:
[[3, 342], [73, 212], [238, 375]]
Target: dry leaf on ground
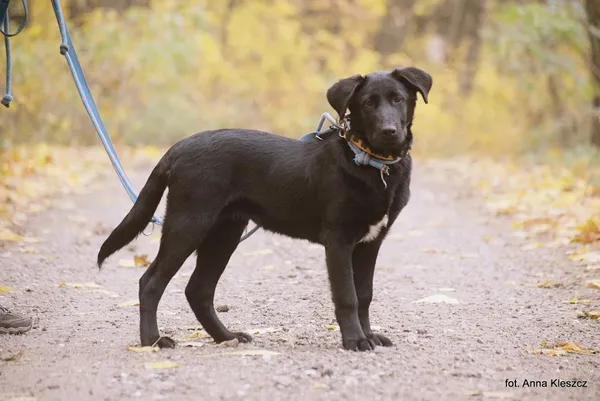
[[576, 300], [588, 315], [197, 334], [141, 260], [594, 284], [143, 349], [162, 365], [549, 284], [133, 302], [5, 290], [561, 348], [79, 285], [437, 299]]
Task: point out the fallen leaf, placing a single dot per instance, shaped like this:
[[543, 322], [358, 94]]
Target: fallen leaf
[[588, 315], [436, 299], [594, 284], [143, 349], [561, 348], [141, 261], [576, 300], [249, 352], [588, 231], [549, 284], [197, 334], [333, 327], [259, 252], [162, 365], [79, 285], [129, 303], [590, 257], [5, 290], [9, 236]]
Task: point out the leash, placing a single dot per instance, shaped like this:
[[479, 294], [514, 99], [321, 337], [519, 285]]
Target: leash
[[5, 31], [67, 49]]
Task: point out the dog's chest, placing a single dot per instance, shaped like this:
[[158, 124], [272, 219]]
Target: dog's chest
[[375, 229]]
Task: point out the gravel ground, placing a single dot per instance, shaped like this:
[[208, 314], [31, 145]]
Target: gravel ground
[[443, 243]]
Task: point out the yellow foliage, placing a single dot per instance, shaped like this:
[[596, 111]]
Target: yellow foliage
[[176, 68]]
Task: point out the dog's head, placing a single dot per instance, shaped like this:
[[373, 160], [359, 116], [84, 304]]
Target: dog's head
[[381, 105]]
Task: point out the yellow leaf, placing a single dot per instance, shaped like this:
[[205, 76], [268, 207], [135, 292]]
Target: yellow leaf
[[5, 290], [143, 349], [588, 232], [9, 236], [197, 334], [79, 285], [593, 315], [549, 284], [333, 327], [591, 257], [141, 260], [576, 300], [162, 365]]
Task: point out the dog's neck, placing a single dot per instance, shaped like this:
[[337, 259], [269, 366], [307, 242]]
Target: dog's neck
[[356, 136]]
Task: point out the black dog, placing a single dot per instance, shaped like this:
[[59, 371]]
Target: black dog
[[344, 192]]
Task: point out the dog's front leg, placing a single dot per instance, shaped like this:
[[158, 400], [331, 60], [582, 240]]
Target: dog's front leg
[[339, 266], [363, 262]]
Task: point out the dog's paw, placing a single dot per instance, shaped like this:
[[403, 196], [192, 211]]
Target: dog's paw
[[379, 340], [166, 342], [242, 337], [361, 344]]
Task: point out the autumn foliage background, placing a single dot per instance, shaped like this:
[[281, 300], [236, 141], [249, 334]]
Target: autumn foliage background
[[512, 83]]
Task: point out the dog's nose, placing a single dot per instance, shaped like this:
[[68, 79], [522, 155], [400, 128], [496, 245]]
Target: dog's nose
[[388, 131]]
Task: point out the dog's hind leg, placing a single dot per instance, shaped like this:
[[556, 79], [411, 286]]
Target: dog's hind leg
[[213, 255], [181, 234]]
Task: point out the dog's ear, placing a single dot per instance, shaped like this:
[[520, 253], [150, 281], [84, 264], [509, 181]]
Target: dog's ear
[[341, 92], [416, 78]]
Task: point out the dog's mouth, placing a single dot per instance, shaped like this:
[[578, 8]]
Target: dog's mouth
[[387, 144]]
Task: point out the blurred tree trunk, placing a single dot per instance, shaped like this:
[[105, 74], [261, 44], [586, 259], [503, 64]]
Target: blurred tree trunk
[[475, 13], [593, 13], [394, 26]]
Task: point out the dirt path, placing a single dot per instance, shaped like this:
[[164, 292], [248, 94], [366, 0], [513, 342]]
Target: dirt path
[[442, 244]]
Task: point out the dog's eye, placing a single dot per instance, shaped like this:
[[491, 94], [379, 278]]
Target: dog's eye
[[369, 103], [397, 99]]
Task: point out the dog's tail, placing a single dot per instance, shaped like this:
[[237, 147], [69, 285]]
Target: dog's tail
[[140, 214]]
